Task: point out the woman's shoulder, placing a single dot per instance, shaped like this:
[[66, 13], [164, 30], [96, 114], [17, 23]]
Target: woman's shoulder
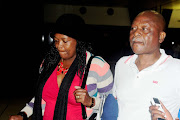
[[97, 60], [99, 65]]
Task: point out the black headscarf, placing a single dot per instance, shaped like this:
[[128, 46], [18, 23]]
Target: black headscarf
[[71, 25]]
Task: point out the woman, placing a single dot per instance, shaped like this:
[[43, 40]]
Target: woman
[[59, 95]]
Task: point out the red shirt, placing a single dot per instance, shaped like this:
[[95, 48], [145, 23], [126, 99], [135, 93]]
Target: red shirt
[[50, 93]]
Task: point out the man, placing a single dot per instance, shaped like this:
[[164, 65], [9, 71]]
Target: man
[[147, 74]]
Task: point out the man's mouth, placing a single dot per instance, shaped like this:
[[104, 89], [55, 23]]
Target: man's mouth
[[137, 41]]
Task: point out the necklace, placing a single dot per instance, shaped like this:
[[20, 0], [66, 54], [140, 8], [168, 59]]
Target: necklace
[[61, 70]]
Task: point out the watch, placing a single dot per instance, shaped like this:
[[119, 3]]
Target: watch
[[92, 104]]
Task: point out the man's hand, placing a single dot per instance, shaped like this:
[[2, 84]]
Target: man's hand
[[155, 113]]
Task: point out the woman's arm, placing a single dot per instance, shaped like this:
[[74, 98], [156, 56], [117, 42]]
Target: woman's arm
[[100, 81], [28, 109], [25, 112]]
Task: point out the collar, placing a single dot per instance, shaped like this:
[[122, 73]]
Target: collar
[[131, 60]]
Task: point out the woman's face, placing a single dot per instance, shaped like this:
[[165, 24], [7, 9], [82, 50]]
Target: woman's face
[[65, 45]]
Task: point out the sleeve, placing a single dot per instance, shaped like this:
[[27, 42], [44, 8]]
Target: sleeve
[[100, 82], [115, 80], [28, 109], [116, 75]]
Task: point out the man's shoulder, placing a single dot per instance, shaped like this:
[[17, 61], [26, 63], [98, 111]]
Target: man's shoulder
[[174, 62], [124, 59]]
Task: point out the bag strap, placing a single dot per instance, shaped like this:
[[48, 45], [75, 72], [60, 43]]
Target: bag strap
[[84, 83], [86, 72]]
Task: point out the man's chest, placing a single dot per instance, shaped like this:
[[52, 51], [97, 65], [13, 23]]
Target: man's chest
[[144, 85]]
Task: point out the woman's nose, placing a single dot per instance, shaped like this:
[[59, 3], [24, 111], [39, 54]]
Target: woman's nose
[[60, 45]]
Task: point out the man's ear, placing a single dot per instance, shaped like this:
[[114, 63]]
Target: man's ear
[[162, 36]]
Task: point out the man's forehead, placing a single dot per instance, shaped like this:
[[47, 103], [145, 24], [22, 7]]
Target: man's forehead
[[149, 12], [146, 20], [151, 17]]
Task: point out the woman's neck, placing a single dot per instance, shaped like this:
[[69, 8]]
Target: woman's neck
[[67, 62]]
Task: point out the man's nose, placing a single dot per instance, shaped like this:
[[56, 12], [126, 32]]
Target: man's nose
[[137, 33]]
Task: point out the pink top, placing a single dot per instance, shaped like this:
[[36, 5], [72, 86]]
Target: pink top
[[50, 93]]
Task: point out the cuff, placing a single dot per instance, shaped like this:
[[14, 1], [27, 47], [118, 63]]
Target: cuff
[[97, 102]]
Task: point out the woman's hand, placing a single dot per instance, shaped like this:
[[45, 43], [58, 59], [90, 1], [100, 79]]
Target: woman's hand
[[15, 117], [82, 96], [155, 113]]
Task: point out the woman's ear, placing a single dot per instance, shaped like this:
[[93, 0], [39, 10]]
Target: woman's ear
[[162, 36]]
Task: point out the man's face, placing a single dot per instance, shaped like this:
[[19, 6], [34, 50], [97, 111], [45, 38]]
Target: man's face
[[144, 35]]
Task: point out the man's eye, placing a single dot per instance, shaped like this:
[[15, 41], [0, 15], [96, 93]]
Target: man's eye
[[133, 28], [145, 29]]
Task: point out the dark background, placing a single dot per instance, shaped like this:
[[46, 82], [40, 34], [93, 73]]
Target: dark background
[[22, 49]]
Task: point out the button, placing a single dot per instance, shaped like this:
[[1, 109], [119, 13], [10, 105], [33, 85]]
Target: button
[[137, 76]]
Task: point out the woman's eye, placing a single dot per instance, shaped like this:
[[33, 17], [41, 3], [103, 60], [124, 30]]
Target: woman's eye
[[55, 40], [61, 40], [65, 41]]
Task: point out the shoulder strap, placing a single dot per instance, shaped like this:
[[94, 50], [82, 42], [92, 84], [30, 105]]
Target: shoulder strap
[[86, 72], [84, 83]]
